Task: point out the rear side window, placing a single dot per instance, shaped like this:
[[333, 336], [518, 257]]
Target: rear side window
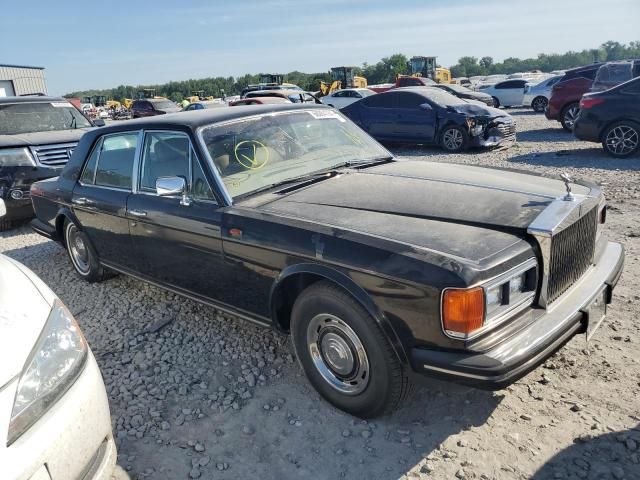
[[410, 100], [382, 100], [115, 161], [89, 173], [588, 74]]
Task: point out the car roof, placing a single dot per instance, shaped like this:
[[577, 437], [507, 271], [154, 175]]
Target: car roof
[[198, 118], [31, 99], [584, 67]]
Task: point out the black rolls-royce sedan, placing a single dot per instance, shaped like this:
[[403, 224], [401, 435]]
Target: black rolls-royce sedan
[[291, 216]]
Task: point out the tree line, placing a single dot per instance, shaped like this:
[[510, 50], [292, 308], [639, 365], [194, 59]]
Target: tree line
[[381, 72]]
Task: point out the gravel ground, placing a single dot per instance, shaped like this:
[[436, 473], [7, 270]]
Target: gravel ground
[[196, 394]]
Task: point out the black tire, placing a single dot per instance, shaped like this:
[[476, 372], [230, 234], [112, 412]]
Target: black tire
[[5, 224], [378, 382], [568, 116], [496, 102], [454, 139], [539, 104], [621, 139], [81, 253]]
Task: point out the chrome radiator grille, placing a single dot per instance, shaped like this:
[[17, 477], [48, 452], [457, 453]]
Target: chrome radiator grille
[[572, 252], [53, 155]]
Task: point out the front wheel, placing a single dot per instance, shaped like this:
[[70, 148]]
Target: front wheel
[[622, 139], [344, 353], [454, 139], [83, 258], [569, 115], [539, 104]]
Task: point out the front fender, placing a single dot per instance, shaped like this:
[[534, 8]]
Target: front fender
[[344, 282]]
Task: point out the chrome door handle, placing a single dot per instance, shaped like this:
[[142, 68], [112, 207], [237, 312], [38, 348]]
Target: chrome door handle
[[138, 213], [80, 201]]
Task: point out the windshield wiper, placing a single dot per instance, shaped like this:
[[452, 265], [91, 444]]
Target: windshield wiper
[[359, 163], [301, 180]]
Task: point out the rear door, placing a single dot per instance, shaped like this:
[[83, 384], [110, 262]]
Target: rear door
[[176, 240], [99, 199], [378, 116]]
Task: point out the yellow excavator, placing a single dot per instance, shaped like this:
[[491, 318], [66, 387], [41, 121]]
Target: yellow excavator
[[342, 77]]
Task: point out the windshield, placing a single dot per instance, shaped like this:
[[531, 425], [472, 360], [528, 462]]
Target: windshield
[[259, 151], [163, 104], [457, 88], [18, 118]]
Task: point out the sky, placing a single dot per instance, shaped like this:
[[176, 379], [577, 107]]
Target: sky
[[89, 44]]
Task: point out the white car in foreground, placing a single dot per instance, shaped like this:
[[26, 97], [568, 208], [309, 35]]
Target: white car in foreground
[[54, 413], [341, 98]]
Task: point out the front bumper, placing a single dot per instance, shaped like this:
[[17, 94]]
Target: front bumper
[[503, 135], [529, 347], [71, 440]]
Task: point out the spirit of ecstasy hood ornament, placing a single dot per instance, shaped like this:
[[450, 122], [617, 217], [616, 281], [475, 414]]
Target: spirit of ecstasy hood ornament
[[566, 178]]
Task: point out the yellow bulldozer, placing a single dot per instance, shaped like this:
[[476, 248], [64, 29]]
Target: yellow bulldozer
[[342, 77], [421, 66]]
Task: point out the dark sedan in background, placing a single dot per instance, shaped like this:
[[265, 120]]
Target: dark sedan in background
[[37, 136], [429, 115], [291, 216], [613, 118], [150, 107], [466, 93]]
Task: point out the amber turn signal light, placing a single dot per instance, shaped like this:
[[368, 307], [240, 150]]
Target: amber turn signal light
[[462, 310]]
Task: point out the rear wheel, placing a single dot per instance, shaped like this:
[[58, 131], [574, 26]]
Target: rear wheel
[[454, 139], [496, 102], [569, 115], [622, 139], [82, 255], [539, 104], [344, 353]]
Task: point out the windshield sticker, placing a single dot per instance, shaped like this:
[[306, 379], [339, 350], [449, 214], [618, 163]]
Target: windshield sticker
[[251, 154], [60, 104], [324, 114]]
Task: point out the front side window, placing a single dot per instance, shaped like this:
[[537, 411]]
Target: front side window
[[115, 162], [255, 152], [165, 154]]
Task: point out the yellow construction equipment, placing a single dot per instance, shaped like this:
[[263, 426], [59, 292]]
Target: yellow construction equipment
[[127, 102], [342, 77], [443, 75], [113, 104]]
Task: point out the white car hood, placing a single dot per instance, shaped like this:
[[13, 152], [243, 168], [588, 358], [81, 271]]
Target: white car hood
[[25, 303]]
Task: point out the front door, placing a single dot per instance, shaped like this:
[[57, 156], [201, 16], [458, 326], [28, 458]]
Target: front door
[[99, 199], [416, 118], [176, 239]]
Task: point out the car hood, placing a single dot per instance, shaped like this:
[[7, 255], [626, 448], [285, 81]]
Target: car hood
[[25, 303], [477, 110], [42, 138], [459, 210]]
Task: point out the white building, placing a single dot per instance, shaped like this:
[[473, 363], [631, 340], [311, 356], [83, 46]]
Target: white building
[[21, 80]]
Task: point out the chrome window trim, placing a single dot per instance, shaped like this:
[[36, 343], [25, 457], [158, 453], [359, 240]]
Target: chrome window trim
[[512, 310]]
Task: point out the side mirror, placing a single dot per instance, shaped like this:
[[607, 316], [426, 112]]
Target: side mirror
[[426, 106], [98, 122], [172, 186]]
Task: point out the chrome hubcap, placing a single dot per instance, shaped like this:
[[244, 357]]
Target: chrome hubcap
[[452, 139], [338, 354], [622, 140], [78, 249], [570, 116]]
